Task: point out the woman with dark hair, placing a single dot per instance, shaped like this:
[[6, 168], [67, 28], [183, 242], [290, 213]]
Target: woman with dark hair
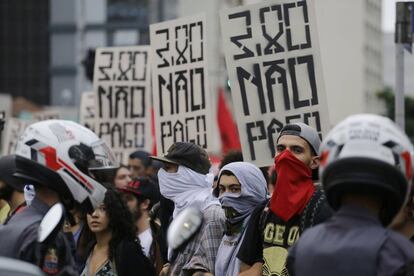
[[116, 251]]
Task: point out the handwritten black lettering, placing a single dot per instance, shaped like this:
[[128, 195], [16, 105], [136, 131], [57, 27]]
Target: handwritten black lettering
[[236, 39]]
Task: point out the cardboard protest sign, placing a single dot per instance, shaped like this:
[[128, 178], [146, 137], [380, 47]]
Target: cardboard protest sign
[[2, 121], [87, 110], [15, 127], [5, 106], [122, 97], [45, 115], [13, 130], [180, 82], [273, 62], [5, 113]]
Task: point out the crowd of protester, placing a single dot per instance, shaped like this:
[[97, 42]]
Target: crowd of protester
[[341, 206]]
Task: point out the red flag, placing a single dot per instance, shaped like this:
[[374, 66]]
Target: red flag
[[228, 128]]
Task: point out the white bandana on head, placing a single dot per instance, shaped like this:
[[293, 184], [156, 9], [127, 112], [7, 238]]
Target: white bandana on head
[[186, 188]]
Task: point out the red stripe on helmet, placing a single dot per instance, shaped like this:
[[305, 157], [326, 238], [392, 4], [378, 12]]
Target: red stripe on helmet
[[50, 157], [408, 165], [81, 178], [324, 158]]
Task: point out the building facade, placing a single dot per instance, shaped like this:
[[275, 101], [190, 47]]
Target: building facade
[[389, 65], [351, 51], [24, 49]]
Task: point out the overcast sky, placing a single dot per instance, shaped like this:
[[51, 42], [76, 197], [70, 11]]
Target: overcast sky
[[388, 15]]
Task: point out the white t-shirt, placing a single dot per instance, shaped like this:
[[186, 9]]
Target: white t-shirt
[[146, 241]]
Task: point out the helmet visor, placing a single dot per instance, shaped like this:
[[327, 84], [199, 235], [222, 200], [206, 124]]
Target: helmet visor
[[95, 160], [104, 158], [104, 166]]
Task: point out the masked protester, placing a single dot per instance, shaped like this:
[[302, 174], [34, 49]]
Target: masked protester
[[11, 188], [185, 179], [296, 204], [241, 187], [366, 170], [63, 161]]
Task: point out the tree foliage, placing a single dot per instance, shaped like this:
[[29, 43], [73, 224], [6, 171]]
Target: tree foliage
[[387, 95]]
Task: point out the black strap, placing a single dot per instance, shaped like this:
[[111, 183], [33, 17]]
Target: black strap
[[312, 209], [307, 218], [263, 217]]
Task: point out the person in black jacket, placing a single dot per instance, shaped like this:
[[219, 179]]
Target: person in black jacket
[[366, 172], [115, 249]]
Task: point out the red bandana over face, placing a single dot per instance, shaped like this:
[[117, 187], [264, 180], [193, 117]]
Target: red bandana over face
[[294, 186]]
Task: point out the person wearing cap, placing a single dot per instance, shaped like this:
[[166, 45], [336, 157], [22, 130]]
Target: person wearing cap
[[11, 188], [185, 179], [139, 195], [141, 165], [241, 187], [296, 204], [366, 171]]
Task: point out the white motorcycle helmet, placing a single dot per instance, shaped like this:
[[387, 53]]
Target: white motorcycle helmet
[[68, 158], [369, 154]]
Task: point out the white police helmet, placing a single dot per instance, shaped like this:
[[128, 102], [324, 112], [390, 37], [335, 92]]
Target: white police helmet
[[367, 153], [66, 157]]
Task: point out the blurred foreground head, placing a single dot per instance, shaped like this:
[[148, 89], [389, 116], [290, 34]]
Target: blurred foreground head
[[367, 155]]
